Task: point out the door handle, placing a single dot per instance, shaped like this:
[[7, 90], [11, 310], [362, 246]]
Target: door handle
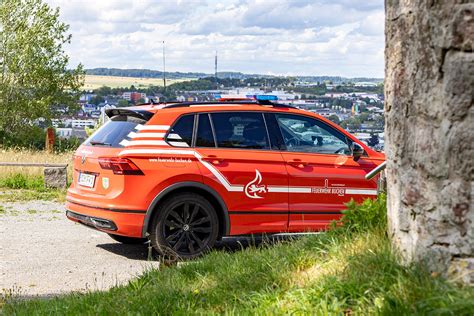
[[298, 163], [213, 159]]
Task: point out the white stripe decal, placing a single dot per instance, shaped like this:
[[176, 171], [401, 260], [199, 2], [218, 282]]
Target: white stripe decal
[[361, 191], [152, 127], [277, 189], [178, 144], [156, 152], [127, 143], [173, 136], [222, 179], [146, 135]]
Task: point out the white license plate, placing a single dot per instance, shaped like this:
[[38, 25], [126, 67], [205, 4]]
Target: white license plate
[[86, 180]]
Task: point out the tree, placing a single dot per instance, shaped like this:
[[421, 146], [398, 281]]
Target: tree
[[429, 110], [334, 118], [122, 103], [34, 79], [96, 100]]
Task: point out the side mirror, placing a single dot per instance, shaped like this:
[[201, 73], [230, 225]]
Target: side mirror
[[357, 151]]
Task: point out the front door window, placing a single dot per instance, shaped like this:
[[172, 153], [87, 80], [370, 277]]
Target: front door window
[[308, 135]]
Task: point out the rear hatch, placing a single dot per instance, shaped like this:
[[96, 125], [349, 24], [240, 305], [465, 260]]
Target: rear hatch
[[98, 169]]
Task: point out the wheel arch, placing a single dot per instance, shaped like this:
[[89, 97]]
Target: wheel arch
[[210, 194]]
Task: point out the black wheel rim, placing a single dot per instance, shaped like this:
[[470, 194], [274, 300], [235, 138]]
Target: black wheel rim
[[188, 228]]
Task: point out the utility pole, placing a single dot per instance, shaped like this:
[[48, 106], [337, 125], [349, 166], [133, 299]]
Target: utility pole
[[164, 67], [215, 72]]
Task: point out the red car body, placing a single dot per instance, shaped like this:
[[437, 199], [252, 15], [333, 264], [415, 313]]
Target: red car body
[[254, 186]]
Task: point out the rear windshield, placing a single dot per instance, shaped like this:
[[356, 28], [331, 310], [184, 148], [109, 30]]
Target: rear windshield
[[114, 131]]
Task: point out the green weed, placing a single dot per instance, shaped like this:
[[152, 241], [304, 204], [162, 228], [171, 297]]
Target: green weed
[[21, 181]]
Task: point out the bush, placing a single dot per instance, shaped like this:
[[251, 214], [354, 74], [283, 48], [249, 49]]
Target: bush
[[34, 138], [367, 216], [31, 137]]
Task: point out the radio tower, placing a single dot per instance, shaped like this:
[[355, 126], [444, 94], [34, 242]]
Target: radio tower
[[164, 69], [215, 72]]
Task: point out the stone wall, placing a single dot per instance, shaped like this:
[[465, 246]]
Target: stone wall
[[429, 89]]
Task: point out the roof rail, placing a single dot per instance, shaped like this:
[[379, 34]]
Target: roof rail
[[256, 102]]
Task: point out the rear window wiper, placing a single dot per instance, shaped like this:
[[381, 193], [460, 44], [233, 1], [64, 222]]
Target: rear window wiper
[[93, 143]]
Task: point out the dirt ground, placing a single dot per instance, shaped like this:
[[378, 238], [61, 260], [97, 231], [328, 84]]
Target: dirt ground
[[43, 253]]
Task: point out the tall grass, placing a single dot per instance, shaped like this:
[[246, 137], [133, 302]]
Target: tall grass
[[24, 155], [351, 269], [27, 183]]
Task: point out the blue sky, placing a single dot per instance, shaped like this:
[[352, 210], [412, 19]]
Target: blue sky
[[285, 37]]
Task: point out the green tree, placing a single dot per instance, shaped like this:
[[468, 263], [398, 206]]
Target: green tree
[[334, 118], [34, 79], [122, 103], [97, 99]]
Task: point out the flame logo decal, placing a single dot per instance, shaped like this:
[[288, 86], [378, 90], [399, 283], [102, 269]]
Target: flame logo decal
[[254, 187]]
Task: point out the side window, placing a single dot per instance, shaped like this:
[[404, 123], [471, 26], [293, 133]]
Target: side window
[[204, 136], [240, 130], [181, 134], [309, 135]]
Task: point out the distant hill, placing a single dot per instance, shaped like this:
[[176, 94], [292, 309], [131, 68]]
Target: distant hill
[[148, 73]]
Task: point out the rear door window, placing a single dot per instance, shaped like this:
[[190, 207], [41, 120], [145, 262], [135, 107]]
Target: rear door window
[[240, 130], [204, 135], [181, 134], [114, 131]]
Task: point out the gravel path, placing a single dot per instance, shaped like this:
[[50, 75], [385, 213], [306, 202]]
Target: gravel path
[[43, 253]]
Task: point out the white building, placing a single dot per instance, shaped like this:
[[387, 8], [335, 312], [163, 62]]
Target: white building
[[75, 123]]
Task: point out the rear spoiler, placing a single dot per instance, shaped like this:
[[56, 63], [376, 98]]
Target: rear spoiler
[[141, 114]]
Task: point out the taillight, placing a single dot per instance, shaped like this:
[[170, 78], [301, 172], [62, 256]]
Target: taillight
[[121, 166]]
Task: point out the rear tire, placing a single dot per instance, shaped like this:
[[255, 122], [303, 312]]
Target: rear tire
[[185, 226], [128, 240]]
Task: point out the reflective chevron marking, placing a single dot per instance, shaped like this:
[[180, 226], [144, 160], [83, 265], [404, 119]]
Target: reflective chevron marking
[[127, 143], [146, 135], [141, 127]]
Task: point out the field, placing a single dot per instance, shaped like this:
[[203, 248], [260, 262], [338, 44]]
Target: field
[[93, 82]]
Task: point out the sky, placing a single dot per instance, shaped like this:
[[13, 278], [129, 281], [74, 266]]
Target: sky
[[284, 37]]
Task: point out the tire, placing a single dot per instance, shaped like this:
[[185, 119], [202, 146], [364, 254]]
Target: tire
[[185, 226], [128, 240]]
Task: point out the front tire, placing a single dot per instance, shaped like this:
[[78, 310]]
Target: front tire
[[185, 226]]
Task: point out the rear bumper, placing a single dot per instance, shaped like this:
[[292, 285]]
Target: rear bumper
[[120, 222], [95, 222]]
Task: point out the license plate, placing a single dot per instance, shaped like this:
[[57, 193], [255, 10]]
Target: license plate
[[86, 180]]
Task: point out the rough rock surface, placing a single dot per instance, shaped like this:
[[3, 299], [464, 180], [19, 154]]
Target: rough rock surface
[[429, 92], [55, 177]]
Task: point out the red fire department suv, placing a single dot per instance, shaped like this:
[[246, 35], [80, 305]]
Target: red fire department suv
[[186, 174]]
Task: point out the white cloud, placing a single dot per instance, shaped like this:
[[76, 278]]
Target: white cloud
[[314, 37]]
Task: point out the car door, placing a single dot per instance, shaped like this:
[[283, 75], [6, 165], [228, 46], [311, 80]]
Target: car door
[[239, 163], [323, 175]]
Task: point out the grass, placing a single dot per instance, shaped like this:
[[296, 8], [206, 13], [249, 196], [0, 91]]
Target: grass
[[26, 183], [19, 187], [24, 155], [351, 269], [93, 82]]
